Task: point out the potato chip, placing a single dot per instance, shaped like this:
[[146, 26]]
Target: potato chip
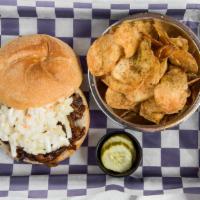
[[185, 60], [151, 111], [143, 26], [116, 85], [141, 94], [128, 38], [172, 92], [154, 42], [146, 90], [134, 70], [162, 33], [180, 42], [103, 55], [126, 73], [165, 51], [118, 100]]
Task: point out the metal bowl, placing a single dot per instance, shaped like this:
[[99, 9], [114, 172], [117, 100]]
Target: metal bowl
[[136, 122]]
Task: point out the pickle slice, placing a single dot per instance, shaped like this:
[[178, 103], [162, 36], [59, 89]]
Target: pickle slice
[[119, 139], [117, 158]]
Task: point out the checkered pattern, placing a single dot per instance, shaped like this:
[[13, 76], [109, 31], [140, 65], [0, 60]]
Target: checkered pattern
[[171, 159]]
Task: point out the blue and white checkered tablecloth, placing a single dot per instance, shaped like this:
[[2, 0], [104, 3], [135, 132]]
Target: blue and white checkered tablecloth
[[171, 159]]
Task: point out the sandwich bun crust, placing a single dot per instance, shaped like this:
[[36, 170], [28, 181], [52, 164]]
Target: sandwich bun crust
[[36, 70], [85, 121]]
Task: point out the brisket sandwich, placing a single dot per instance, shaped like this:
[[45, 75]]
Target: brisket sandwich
[[44, 116]]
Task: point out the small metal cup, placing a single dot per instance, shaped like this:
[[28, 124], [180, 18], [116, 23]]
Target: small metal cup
[[138, 123]]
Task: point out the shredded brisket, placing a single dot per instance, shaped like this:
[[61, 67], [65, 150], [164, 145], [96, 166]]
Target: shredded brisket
[[77, 133]]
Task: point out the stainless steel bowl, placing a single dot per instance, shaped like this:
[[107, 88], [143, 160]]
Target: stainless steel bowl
[[136, 122]]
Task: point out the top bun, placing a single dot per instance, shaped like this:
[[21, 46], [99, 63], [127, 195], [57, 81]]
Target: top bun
[[36, 70]]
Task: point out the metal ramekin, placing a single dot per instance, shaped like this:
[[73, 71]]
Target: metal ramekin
[[177, 118]]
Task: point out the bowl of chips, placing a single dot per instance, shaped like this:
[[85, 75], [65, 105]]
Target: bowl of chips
[[144, 72]]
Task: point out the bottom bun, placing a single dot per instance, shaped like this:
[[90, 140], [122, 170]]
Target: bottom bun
[[66, 153]]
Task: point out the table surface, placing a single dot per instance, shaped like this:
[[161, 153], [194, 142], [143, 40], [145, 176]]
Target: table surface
[[171, 158]]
